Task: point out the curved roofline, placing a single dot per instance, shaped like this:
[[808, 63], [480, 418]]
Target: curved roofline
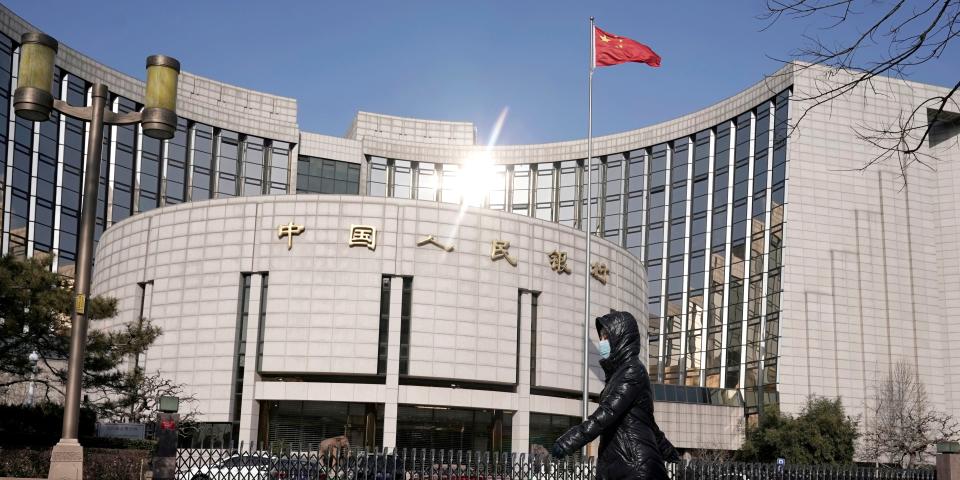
[[679, 127]]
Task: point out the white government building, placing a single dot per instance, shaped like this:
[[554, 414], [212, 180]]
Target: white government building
[[310, 285]]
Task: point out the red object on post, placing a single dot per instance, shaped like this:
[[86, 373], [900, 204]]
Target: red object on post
[[613, 50]]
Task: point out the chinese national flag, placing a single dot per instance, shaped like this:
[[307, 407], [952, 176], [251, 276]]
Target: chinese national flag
[[613, 50]]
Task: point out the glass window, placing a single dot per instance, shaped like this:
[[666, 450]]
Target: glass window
[[613, 200], [596, 187], [498, 194], [545, 189], [46, 176], [252, 166], [701, 154], [123, 163], [450, 192], [149, 173], [20, 186], [426, 182], [72, 173], [658, 166], [176, 164], [453, 429], [521, 190], [634, 208], [320, 175], [377, 181], [406, 309], [383, 333], [402, 179], [202, 162], [227, 158], [6, 65], [567, 211], [279, 165]]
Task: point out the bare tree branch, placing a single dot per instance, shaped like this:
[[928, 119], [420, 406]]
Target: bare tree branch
[[907, 34]]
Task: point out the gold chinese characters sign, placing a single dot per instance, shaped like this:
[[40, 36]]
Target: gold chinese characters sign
[[431, 240], [600, 272], [558, 262], [498, 250], [363, 236], [289, 230]]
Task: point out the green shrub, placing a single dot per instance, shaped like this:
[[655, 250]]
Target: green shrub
[[119, 444]]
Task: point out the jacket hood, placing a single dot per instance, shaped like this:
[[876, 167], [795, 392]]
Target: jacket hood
[[624, 337]]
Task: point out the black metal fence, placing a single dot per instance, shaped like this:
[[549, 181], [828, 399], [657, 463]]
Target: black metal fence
[[232, 464], [698, 470]]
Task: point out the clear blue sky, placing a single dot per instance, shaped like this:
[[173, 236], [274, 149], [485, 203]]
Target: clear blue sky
[[452, 60]]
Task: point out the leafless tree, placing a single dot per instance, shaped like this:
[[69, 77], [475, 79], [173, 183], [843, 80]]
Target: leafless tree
[[137, 400], [714, 454], [898, 36], [904, 426]]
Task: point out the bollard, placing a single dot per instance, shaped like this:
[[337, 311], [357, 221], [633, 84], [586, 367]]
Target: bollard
[[165, 459], [948, 461]]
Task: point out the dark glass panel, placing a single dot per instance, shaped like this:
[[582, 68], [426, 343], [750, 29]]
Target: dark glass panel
[[279, 167], [149, 173], [613, 200], [201, 162], [253, 171], [72, 174], [544, 194], [227, 151], [123, 164], [20, 186], [175, 178], [46, 177], [567, 213]]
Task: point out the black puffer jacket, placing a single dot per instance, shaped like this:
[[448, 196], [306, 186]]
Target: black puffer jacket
[[631, 444]]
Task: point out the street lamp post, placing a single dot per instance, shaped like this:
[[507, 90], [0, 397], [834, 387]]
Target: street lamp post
[[33, 101], [34, 358]]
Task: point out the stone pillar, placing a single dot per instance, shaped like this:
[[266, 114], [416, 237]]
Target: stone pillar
[[948, 461], [393, 364], [520, 440], [249, 407], [66, 460]]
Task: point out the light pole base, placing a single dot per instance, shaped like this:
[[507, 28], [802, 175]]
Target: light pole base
[[66, 460]]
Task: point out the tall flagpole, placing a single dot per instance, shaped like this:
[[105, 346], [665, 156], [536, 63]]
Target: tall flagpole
[[586, 228]]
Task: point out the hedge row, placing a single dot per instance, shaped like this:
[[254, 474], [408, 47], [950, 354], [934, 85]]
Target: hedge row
[[39, 426], [99, 463]]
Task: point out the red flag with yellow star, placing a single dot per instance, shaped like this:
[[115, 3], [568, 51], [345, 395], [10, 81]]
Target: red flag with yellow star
[[611, 49]]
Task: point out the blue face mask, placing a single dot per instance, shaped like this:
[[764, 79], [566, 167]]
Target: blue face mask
[[604, 348]]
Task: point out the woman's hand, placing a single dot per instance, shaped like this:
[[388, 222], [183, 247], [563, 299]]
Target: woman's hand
[[556, 451]]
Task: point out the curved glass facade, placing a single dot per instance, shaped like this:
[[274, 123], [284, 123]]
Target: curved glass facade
[[704, 212]]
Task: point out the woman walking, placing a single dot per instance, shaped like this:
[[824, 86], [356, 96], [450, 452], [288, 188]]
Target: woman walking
[[631, 444]]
